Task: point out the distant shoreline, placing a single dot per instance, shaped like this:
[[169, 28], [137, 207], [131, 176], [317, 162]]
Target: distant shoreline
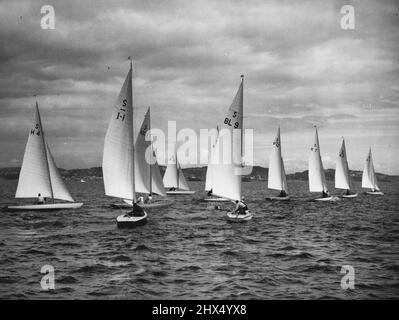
[[197, 174]]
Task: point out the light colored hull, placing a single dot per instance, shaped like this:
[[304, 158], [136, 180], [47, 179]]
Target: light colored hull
[[331, 198], [154, 204], [179, 192], [375, 193], [46, 206], [279, 198], [349, 195], [217, 200], [126, 221], [233, 217]]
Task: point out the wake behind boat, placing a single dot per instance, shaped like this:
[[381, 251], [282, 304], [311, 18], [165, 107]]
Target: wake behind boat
[[39, 176]]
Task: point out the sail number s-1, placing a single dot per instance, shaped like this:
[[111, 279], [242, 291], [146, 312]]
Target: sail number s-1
[[121, 113], [36, 130], [228, 121]]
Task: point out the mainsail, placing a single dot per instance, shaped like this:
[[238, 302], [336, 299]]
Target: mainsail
[[118, 146], [174, 177], [342, 178], [369, 180], [209, 175], [277, 179], [227, 165], [39, 173], [147, 174], [317, 179]]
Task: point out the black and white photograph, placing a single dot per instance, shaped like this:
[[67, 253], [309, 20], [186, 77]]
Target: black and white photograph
[[199, 150]]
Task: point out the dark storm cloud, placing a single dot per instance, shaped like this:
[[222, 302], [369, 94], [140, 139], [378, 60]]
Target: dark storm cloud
[[300, 68]]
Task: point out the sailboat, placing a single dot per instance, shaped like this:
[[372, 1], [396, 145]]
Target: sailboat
[[174, 178], [277, 179], [209, 174], [342, 177], [369, 179], [317, 179], [227, 172], [119, 155], [147, 173], [39, 174]]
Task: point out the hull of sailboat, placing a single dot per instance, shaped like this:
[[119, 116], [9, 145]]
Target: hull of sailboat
[[179, 192], [234, 217], [215, 199], [331, 198], [279, 198], [375, 193], [349, 195], [153, 205], [126, 221], [46, 206]]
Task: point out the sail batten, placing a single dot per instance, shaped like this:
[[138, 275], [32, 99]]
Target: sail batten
[[317, 179]]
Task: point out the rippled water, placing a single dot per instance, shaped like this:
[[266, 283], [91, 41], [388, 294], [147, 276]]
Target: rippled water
[[289, 250]]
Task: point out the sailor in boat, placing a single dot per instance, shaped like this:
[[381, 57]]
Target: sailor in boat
[[282, 194], [325, 194], [140, 200], [148, 199], [348, 192], [40, 199], [210, 193], [241, 207], [137, 211], [172, 189]]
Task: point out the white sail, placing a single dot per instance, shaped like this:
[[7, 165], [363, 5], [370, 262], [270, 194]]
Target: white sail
[[183, 185], [369, 179], [170, 178], [342, 179], [276, 177], [118, 153], [174, 177], [142, 171], [317, 179], [226, 169], [60, 190], [157, 183], [209, 175], [34, 175], [39, 173]]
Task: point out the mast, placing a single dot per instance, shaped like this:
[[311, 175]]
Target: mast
[[132, 126], [242, 116], [177, 166], [152, 151], [45, 151]]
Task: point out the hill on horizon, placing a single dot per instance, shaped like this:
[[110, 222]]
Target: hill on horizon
[[258, 173]]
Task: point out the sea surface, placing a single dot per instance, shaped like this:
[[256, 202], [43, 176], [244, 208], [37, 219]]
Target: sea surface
[[289, 250]]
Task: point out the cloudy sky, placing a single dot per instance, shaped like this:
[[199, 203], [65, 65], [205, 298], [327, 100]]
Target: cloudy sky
[[301, 69]]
